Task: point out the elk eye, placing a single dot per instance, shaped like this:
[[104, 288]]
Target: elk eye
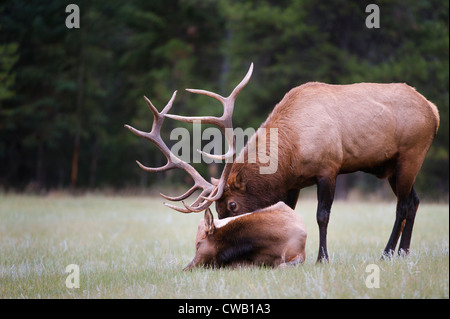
[[232, 206]]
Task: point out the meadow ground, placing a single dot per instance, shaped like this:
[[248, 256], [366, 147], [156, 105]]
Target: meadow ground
[[135, 247]]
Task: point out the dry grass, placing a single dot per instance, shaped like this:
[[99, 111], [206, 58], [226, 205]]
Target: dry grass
[[134, 247]]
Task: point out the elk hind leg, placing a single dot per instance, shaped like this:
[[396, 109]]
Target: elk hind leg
[[402, 182], [413, 205]]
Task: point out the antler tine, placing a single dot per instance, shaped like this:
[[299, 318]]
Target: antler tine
[[153, 108], [190, 209], [194, 207], [159, 117], [198, 209], [200, 204], [243, 83], [169, 105], [181, 197], [192, 119], [179, 209], [216, 96], [166, 167]]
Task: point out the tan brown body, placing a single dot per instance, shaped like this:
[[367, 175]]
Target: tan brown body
[[274, 236], [326, 130]]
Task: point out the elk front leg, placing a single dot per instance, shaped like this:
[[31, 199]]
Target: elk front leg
[[325, 196], [292, 198]]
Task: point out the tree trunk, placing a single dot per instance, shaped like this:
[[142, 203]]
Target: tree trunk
[[80, 89], [94, 163], [40, 172]]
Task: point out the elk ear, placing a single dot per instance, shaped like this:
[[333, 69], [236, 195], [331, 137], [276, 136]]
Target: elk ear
[[240, 182], [209, 222], [214, 181]]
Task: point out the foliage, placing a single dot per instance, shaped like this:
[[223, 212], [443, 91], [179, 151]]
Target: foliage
[[66, 93]]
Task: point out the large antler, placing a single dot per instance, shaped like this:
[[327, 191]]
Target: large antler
[[225, 123], [209, 193], [172, 161]]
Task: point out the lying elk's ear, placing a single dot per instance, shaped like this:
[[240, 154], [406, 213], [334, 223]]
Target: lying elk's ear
[[209, 222]]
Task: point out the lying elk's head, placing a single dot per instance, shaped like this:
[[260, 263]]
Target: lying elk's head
[[205, 248], [219, 190]]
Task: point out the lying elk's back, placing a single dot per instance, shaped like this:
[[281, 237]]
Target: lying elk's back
[[354, 124], [280, 216]]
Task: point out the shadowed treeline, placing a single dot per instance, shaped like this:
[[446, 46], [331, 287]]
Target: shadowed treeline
[[65, 94]]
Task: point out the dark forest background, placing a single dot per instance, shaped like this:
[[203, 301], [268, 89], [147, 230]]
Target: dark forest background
[[65, 94]]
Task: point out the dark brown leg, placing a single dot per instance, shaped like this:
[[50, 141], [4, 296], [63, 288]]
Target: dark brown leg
[[405, 241], [292, 198], [407, 203], [399, 223], [325, 196]]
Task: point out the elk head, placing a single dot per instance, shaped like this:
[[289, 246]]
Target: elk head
[[238, 197]]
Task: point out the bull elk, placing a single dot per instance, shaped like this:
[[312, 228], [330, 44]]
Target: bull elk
[[323, 130], [274, 236]]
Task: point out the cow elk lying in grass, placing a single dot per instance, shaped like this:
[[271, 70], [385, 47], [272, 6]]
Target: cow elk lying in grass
[[274, 237]]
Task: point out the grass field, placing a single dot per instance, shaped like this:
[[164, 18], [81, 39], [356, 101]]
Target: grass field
[[134, 247]]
